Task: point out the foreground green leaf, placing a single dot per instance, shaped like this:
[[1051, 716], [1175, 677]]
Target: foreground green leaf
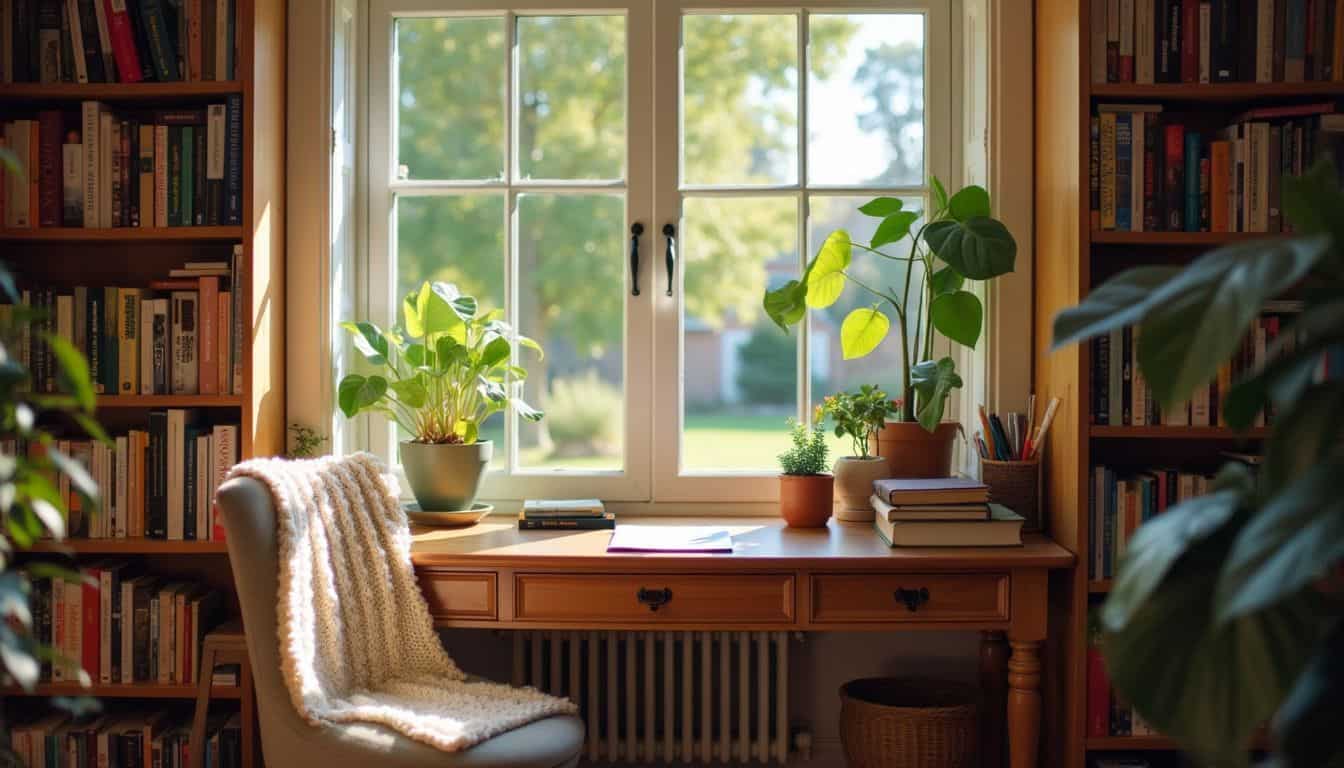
[[958, 316], [893, 228], [933, 381], [881, 207], [825, 276], [357, 392], [861, 332], [969, 203], [979, 248], [786, 305]]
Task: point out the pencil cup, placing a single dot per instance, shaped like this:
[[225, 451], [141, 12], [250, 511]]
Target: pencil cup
[[1017, 486]]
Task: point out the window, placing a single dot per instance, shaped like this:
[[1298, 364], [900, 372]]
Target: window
[[513, 147]]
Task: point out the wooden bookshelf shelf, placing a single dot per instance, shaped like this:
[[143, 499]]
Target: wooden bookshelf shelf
[[1153, 743], [126, 691], [1194, 239], [169, 401], [121, 234], [1099, 586], [117, 91], [1230, 93], [1176, 433], [135, 546]]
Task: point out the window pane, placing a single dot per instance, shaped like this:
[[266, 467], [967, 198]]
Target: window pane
[[865, 107], [740, 99], [740, 371], [459, 239], [571, 299], [450, 102], [831, 373], [571, 97]]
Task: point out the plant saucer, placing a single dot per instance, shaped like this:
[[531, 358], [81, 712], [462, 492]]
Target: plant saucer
[[460, 518]]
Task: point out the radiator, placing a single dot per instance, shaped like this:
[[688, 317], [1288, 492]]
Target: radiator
[[654, 697]]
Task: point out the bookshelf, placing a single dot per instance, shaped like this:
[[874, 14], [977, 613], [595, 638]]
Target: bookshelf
[[1072, 258], [134, 256]]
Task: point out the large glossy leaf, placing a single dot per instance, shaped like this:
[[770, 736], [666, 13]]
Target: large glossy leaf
[[74, 370], [1159, 543], [1209, 685], [881, 207], [79, 477], [1307, 726], [1204, 313], [1282, 380], [410, 312], [933, 381], [1295, 539], [946, 280], [786, 305], [525, 411], [1123, 300], [1314, 204], [496, 352], [979, 248], [528, 342], [861, 332], [411, 392], [1304, 432], [369, 340], [825, 276], [443, 310], [357, 392], [958, 316], [969, 203], [893, 228]]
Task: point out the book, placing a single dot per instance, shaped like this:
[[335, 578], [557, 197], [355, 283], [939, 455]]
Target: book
[[929, 511], [535, 508], [1002, 529], [944, 490], [605, 521], [183, 343]]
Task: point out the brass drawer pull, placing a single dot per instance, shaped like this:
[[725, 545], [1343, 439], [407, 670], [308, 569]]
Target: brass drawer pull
[[654, 598], [913, 598]]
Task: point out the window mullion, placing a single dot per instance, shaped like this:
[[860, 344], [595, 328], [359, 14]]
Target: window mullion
[[804, 373], [510, 222]]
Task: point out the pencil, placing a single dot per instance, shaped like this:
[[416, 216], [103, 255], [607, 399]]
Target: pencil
[[1046, 421], [984, 424]]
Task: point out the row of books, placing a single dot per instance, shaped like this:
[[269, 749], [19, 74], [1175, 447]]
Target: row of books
[[149, 168], [120, 625], [1120, 500], [156, 483], [1216, 41], [180, 336], [1107, 713], [941, 512], [134, 738], [565, 514], [117, 41], [1121, 395], [1151, 172]]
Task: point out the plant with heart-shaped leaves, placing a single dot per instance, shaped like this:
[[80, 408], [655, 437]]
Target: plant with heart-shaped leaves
[[958, 241]]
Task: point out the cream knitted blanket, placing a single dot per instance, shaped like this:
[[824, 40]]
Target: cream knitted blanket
[[356, 640]]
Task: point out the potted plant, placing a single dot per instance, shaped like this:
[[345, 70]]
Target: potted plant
[[1239, 594], [448, 368], [805, 487], [858, 416], [958, 241]]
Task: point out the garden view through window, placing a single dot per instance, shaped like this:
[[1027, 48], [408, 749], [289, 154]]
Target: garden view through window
[[512, 178]]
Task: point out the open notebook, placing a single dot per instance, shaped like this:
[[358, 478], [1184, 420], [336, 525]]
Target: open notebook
[[670, 538]]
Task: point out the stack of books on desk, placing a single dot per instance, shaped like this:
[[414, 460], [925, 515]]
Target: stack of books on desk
[[565, 514], [942, 512]]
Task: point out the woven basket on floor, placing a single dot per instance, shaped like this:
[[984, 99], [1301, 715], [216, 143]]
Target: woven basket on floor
[[908, 723]]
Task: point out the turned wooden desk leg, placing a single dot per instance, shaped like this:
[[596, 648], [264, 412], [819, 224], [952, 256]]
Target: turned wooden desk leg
[[993, 684], [1024, 704]]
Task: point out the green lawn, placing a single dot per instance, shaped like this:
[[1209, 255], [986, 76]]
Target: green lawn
[[713, 441]]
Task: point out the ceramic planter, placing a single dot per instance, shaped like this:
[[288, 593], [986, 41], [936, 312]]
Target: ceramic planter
[[912, 452], [805, 500], [854, 476], [445, 477]]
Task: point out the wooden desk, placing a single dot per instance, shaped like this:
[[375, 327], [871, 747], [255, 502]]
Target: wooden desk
[[838, 578]]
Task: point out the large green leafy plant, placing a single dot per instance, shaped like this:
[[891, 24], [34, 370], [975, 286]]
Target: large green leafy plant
[[1226, 610], [958, 241], [444, 371]]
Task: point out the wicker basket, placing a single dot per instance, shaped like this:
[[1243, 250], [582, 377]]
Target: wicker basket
[[908, 723], [1017, 486]]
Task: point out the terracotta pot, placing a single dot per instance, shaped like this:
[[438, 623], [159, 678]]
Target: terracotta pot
[[805, 500], [854, 478], [912, 452]]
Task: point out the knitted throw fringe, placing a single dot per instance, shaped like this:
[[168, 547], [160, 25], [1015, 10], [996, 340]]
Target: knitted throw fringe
[[356, 640]]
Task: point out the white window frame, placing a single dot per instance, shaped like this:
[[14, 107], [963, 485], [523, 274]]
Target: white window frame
[[326, 242], [631, 482], [671, 482]]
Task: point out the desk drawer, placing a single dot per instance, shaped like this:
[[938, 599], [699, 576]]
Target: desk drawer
[[873, 597], [655, 598], [460, 594]]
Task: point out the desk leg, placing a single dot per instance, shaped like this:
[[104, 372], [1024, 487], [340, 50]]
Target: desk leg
[[1024, 704], [993, 676]]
